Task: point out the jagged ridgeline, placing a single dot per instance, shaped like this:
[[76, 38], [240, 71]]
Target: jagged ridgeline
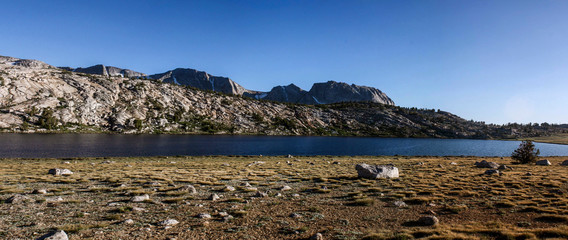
[[35, 96]]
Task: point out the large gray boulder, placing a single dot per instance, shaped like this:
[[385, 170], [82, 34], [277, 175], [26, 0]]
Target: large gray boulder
[[376, 171], [544, 162], [57, 235], [564, 163], [429, 220], [59, 171], [486, 164]]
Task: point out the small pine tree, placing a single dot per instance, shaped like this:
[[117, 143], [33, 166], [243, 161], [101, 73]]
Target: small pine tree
[[526, 153]]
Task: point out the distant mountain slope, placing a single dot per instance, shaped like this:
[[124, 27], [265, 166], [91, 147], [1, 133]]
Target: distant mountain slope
[[35, 96]]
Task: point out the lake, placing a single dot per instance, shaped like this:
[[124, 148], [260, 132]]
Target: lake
[[15, 145]]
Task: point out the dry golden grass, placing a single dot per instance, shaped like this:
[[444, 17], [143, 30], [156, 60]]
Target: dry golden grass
[[331, 199]]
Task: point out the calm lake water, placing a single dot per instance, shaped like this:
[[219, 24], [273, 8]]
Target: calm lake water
[[103, 145]]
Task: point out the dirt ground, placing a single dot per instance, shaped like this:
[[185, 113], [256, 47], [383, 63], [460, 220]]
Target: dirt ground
[[325, 196]]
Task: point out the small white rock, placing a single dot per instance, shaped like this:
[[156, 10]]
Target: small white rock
[[169, 222], [140, 198]]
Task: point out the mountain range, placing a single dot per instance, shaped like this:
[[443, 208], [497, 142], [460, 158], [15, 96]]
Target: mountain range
[[320, 93], [38, 97]]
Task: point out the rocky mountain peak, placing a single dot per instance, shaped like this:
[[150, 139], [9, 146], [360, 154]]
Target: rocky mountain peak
[[201, 80], [333, 92]]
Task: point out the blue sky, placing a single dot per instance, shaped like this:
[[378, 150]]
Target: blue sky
[[492, 61]]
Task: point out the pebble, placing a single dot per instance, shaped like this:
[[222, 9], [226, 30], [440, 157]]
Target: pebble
[[204, 215]]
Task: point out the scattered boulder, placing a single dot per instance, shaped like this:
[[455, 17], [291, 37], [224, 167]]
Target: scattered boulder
[[57, 235], [528, 174], [169, 222], [223, 214], [428, 220], [250, 189], [564, 163], [260, 194], [189, 188], [486, 164], [316, 236], [544, 162], [19, 198], [453, 163], [128, 222], [229, 188], [204, 215], [255, 163], [505, 167], [59, 172], [492, 171], [228, 218], [141, 198], [138, 209], [39, 191], [400, 204], [285, 188], [295, 215], [376, 171], [213, 197], [54, 199]]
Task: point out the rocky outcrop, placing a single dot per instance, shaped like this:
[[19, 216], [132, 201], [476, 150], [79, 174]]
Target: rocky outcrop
[[107, 71], [200, 80]]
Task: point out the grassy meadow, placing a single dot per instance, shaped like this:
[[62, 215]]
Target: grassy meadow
[[325, 196]]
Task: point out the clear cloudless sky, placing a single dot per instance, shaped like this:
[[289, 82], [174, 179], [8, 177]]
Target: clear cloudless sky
[[493, 61]]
